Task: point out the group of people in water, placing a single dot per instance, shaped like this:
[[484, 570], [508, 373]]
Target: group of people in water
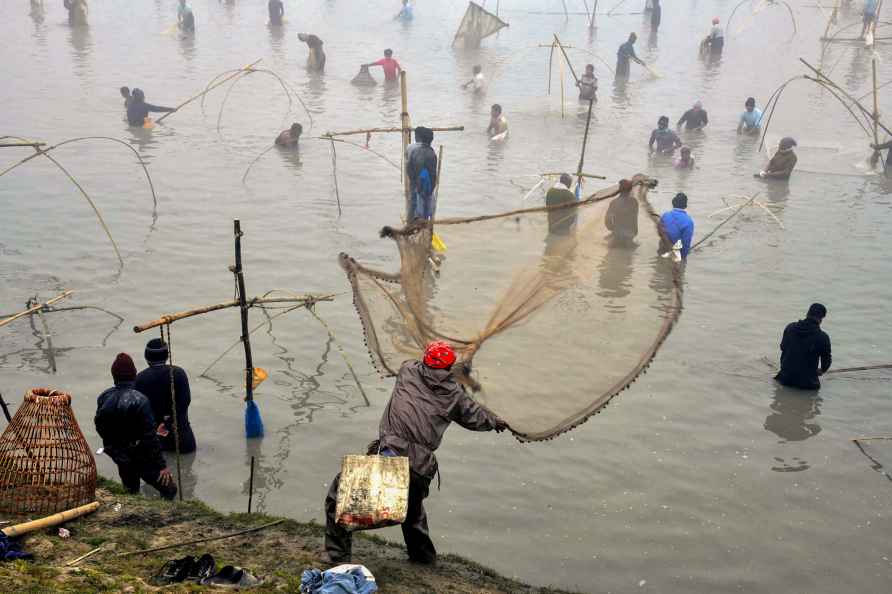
[[146, 413]]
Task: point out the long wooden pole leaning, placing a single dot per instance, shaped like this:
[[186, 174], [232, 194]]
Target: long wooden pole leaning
[[201, 540], [406, 124], [49, 521], [566, 58], [34, 308], [239, 72], [234, 303], [588, 123], [243, 306]]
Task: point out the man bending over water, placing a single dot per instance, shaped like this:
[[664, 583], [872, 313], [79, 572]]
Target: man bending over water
[[138, 110]]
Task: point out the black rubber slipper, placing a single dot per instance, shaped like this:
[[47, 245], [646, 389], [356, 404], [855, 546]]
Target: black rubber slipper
[[174, 571]]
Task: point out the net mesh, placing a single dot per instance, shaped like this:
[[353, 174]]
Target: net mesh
[[476, 25], [557, 312]]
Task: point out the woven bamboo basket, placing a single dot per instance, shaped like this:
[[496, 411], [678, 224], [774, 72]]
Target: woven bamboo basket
[[46, 464]]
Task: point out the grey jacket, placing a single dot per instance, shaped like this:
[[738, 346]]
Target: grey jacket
[[424, 403]]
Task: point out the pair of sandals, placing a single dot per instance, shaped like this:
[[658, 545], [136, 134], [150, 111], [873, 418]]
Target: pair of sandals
[[203, 571]]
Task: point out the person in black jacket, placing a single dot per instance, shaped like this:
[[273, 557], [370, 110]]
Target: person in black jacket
[[125, 423], [138, 110], [421, 168], [154, 382], [803, 345]]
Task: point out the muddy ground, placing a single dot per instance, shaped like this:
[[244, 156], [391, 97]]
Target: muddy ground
[[278, 554]]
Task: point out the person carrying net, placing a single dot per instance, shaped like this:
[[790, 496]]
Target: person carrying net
[[426, 400]]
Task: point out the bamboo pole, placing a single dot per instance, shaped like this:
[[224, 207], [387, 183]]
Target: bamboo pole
[[550, 62], [831, 19], [866, 368], [561, 77], [243, 306], [201, 540], [327, 135], [405, 122], [84, 556], [234, 303], [251, 486], [31, 310], [876, 114], [49, 521], [588, 175], [207, 90], [588, 122], [22, 144], [45, 333], [173, 411], [573, 72], [334, 173]]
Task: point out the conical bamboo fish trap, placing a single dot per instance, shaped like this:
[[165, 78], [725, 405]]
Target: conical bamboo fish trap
[[45, 463]]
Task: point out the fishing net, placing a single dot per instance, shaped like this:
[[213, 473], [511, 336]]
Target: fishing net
[[557, 313], [476, 25]]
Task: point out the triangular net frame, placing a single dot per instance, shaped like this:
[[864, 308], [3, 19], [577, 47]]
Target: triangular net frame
[[46, 465], [476, 25], [557, 313]]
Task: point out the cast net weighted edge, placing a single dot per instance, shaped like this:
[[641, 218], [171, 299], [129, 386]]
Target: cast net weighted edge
[[554, 335]]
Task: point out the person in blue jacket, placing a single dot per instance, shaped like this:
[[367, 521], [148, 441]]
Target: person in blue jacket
[[678, 225]]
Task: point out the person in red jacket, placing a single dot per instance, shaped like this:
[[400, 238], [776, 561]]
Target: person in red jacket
[[390, 66], [425, 401]]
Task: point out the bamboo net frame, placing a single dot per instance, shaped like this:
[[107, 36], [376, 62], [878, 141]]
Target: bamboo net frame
[[46, 464]]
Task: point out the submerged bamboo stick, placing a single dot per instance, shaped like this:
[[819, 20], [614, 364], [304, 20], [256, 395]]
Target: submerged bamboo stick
[[21, 144], [233, 303], [589, 175], [47, 337], [34, 308], [49, 521], [865, 368], [207, 90]]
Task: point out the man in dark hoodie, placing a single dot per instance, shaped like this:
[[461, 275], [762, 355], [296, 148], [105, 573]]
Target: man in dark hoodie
[[421, 168], [125, 423], [803, 345], [154, 382], [426, 400]]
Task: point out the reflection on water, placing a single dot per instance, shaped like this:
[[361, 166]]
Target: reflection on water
[[81, 46], [791, 419]]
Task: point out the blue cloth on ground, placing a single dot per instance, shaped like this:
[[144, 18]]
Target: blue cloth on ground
[[10, 550], [313, 581]]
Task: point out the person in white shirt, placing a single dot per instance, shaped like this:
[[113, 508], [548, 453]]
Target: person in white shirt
[[478, 83]]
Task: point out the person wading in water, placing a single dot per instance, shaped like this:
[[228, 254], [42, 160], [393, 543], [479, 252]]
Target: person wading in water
[[426, 400], [803, 346]]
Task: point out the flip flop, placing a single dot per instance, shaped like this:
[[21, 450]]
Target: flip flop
[[232, 577], [173, 571]]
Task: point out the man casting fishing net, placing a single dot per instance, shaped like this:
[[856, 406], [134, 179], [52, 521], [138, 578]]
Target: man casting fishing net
[[425, 401]]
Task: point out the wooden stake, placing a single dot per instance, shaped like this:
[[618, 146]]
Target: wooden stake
[[243, 305], [406, 134], [234, 303], [251, 486], [201, 540], [31, 310]]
